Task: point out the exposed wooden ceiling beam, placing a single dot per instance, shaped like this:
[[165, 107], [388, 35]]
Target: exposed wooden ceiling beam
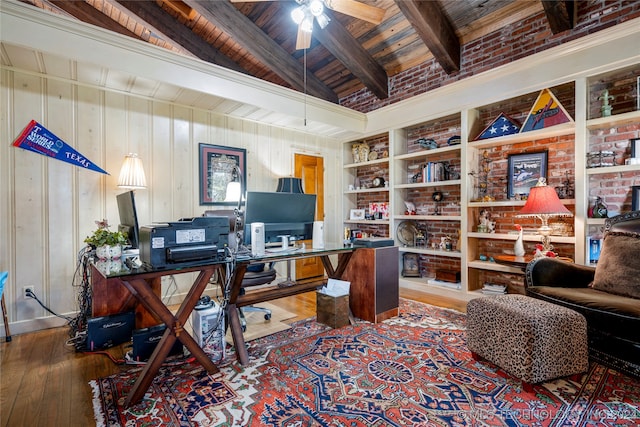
[[225, 16], [337, 40], [153, 14], [89, 14], [560, 14], [435, 29]]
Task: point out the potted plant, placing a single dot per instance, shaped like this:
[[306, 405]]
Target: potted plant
[[108, 244]]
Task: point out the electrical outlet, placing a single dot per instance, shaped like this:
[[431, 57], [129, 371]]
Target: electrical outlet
[[26, 290]]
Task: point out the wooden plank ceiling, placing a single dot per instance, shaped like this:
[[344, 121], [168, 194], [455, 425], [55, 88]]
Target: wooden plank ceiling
[[259, 38]]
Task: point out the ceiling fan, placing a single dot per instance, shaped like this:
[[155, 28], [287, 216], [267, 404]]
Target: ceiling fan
[[310, 10]]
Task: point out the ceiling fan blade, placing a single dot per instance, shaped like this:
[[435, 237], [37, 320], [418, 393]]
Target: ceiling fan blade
[[304, 39], [354, 8]]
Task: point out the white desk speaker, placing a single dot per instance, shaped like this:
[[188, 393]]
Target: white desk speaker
[[257, 238], [318, 235]]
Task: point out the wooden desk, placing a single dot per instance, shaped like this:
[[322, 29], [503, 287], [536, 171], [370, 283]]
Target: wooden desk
[[274, 292], [142, 285]]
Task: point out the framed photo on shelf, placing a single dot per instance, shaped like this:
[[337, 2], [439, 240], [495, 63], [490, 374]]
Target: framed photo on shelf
[[523, 172], [218, 167], [635, 198], [356, 214], [635, 147], [410, 265]]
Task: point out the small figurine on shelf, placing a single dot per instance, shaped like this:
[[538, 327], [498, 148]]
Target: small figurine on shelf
[[518, 247], [598, 209], [411, 208], [445, 243], [486, 225], [606, 107]]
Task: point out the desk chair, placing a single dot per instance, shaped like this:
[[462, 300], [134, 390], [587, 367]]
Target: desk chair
[[256, 275]]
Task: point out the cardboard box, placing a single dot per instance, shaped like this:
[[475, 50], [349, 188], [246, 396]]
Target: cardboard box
[[332, 311], [452, 276]]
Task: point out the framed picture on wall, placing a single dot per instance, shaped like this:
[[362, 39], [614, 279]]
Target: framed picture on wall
[[523, 172], [220, 166], [635, 198]]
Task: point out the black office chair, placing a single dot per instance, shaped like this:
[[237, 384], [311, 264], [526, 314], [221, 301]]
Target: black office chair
[[256, 275]]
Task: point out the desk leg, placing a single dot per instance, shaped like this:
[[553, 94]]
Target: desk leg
[[343, 261], [174, 331]]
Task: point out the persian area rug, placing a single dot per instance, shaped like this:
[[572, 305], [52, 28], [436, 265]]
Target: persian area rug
[[413, 370]]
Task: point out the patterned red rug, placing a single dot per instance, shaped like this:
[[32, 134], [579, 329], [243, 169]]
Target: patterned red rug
[[413, 370]]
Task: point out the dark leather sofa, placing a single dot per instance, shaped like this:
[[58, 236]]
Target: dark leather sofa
[[607, 295]]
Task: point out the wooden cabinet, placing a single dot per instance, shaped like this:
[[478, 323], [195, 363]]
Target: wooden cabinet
[[374, 292], [111, 297]]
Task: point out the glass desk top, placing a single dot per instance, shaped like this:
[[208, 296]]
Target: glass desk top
[[124, 266]]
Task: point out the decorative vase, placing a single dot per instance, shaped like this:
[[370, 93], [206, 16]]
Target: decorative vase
[[109, 252], [355, 151], [364, 152], [518, 247]]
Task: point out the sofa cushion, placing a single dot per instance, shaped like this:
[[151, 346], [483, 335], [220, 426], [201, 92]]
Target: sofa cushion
[[591, 299], [618, 269]]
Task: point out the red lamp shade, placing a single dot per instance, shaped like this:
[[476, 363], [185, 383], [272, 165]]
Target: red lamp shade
[[543, 200]]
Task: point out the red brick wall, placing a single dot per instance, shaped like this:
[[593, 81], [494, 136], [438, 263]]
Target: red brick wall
[[503, 46]]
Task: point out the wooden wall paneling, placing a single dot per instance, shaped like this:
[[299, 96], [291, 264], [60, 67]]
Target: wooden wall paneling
[[104, 126], [6, 183], [156, 201], [90, 131], [29, 196], [201, 134], [183, 188], [59, 217]]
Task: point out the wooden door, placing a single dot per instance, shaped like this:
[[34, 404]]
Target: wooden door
[[311, 170]]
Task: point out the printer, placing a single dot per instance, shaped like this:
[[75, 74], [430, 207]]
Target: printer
[[185, 242]]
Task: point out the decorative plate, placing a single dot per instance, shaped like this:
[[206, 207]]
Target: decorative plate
[[406, 232], [373, 155]]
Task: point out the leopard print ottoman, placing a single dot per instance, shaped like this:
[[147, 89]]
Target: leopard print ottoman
[[530, 339]]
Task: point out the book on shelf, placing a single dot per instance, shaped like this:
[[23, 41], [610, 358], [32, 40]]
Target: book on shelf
[[493, 289], [434, 172], [452, 285]]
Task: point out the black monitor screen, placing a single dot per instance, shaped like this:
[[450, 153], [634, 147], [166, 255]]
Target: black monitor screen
[[128, 217], [289, 214]]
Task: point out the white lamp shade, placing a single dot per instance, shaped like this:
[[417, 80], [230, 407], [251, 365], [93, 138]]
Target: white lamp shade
[[132, 173], [234, 192]]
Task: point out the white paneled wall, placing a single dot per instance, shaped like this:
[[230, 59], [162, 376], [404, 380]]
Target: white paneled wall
[[49, 207]]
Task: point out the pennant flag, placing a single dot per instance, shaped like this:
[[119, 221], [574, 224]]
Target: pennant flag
[[38, 139], [502, 125], [546, 111]]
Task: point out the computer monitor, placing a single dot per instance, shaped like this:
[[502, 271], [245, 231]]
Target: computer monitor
[[289, 214], [128, 217]]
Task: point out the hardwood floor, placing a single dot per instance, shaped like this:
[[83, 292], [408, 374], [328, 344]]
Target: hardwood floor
[[44, 382]]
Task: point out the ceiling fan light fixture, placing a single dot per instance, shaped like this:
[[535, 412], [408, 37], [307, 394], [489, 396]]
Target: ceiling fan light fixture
[[316, 7], [307, 24], [323, 20], [298, 14]]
